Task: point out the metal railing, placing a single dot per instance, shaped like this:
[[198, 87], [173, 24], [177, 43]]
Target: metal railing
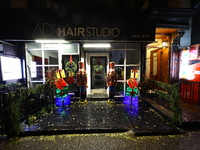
[[166, 95], [151, 94], [190, 91], [30, 102]]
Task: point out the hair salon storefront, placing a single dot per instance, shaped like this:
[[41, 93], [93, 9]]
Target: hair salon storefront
[[51, 45]]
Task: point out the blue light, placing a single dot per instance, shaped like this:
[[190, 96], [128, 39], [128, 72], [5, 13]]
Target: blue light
[[62, 101], [63, 110], [131, 105], [131, 100]]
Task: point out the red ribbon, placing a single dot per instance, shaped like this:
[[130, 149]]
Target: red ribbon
[[70, 59], [98, 60], [135, 71], [132, 93]]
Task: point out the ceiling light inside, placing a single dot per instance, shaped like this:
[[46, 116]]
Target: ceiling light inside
[[51, 41], [103, 45]]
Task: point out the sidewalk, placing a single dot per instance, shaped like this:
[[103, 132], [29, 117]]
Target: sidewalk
[[102, 117]]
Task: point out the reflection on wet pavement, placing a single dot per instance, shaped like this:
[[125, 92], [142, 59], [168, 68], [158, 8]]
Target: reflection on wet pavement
[[100, 115]]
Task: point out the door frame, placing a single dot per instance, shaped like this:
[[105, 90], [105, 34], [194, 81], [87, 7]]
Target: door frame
[[88, 69]]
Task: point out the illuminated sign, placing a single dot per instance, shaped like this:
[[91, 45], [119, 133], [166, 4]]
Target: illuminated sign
[[10, 68], [76, 31]]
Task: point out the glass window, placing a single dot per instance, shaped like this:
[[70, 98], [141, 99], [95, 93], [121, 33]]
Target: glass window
[[36, 56], [50, 46], [117, 56], [120, 72], [42, 57], [132, 45], [48, 69], [51, 57], [132, 57], [98, 71], [132, 72], [66, 59], [71, 48], [34, 45], [118, 45], [127, 63], [35, 73], [119, 89]]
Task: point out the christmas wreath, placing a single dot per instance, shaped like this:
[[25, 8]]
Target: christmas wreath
[[98, 67], [71, 66]]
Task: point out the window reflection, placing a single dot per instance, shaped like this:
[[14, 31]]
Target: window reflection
[[51, 57], [120, 72], [132, 72], [118, 56], [132, 57], [36, 56], [119, 89]]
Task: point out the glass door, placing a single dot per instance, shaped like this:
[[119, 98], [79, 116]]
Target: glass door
[[98, 72], [96, 67]]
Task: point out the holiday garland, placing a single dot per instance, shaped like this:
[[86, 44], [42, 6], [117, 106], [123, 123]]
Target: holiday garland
[[172, 97]]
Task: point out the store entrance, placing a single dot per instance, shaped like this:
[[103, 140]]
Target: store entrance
[[97, 64], [98, 72]]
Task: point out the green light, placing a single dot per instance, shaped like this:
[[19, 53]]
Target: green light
[[131, 92]]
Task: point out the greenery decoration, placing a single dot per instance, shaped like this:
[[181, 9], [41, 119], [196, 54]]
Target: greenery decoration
[[98, 67], [71, 67], [169, 92], [17, 103], [10, 86], [13, 110], [44, 111]]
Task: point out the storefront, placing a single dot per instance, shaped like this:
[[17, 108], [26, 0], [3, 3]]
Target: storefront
[[42, 57], [96, 44]]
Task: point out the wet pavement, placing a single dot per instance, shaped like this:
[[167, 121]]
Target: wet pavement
[[138, 126], [104, 141], [102, 117], [190, 114]]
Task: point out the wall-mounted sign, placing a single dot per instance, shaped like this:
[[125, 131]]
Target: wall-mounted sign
[[117, 32], [90, 29], [10, 68]]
